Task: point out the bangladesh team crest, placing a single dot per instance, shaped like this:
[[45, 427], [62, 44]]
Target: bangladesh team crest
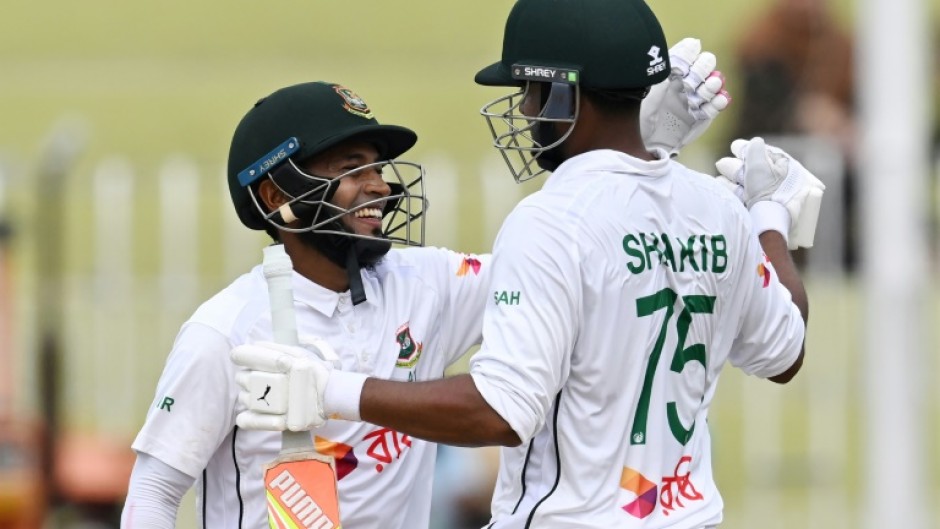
[[353, 103], [410, 350]]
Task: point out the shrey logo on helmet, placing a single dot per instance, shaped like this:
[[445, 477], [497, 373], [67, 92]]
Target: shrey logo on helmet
[[547, 54], [657, 64]]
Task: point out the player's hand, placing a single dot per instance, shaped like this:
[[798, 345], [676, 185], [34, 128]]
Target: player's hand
[[768, 174], [731, 185], [283, 385], [679, 109]]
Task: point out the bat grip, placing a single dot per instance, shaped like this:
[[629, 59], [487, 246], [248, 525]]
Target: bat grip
[[278, 272], [296, 442]]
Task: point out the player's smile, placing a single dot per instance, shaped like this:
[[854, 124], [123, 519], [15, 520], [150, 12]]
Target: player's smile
[[368, 219]]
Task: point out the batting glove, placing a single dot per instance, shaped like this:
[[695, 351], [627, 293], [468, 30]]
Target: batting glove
[[761, 174], [679, 109], [283, 386]]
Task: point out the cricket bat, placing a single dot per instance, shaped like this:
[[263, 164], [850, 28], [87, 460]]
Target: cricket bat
[[300, 483], [805, 230]]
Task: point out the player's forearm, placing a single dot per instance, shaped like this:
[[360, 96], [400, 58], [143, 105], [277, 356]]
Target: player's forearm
[[775, 248], [154, 494], [449, 411]]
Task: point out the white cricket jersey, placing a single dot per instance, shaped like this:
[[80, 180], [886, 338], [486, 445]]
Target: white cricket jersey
[[619, 291], [424, 310]]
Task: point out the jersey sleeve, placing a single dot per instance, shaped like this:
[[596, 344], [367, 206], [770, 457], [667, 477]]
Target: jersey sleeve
[[772, 330], [468, 280], [531, 320], [154, 494], [194, 406]]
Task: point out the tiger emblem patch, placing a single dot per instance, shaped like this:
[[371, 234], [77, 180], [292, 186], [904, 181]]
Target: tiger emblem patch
[[410, 350], [353, 103]]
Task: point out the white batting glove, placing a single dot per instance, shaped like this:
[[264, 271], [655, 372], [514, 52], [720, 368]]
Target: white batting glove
[[679, 109], [768, 174], [735, 188], [283, 386]]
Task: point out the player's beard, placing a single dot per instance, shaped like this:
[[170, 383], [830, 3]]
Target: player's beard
[[545, 133], [335, 247]]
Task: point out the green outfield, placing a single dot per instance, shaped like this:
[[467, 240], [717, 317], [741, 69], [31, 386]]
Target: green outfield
[[149, 80]]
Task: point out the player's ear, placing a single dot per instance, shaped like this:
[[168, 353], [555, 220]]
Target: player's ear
[[270, 195]]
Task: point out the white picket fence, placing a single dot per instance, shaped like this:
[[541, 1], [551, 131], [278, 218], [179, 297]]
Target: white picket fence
[[143, 246]]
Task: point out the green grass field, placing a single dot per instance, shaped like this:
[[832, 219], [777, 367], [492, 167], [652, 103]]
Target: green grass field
[[153, 79]]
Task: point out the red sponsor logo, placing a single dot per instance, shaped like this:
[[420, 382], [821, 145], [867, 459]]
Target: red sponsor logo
[[344, 455], [387, 446], [469, 264], [763, 271], [678, 487]]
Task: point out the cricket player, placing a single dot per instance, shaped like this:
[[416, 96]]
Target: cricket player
[[617, 293], [312, 166]]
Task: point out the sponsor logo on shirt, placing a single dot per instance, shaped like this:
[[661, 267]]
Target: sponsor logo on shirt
[[763, 271], [385, 444], [670, 494], [469, 264], [346, 460], [678, 487], [644, 489], [410, 351], [507, 297]]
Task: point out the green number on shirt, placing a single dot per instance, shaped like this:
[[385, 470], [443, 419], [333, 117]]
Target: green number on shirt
[[646, 306]]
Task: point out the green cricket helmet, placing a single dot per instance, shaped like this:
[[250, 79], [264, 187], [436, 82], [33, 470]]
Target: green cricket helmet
[[298, 122], [567, 46]]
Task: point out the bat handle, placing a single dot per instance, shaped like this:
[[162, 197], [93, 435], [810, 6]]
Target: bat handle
[[296, 442], [805, 230], [278, 272]]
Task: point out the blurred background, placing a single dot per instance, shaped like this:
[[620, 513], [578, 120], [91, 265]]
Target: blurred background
[[115, 223]]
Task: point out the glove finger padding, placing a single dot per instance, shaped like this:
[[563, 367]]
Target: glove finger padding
[[683, 54], [266, 356], [701, 69], [739, 147], [770, 174], [736, 189], [322, 349], [731, 169], [679, 109], [248, 420], [284, 381], [711, 87], [305, 400]]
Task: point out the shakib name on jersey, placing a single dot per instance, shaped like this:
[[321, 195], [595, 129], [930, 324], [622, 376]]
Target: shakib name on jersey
[[700, 253]]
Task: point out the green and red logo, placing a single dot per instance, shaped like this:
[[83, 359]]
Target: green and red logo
[[410, 350]]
